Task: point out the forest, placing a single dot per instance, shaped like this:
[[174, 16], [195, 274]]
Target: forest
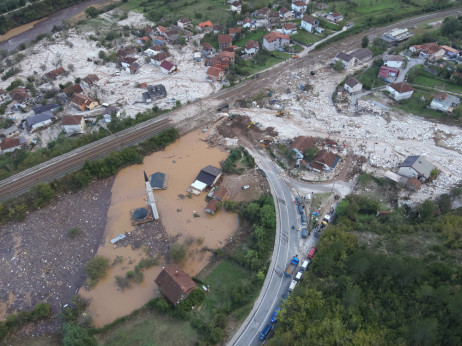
[[359, 293]]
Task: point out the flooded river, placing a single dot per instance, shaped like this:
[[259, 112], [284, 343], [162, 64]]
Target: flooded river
[[182, 161], [28, 32]]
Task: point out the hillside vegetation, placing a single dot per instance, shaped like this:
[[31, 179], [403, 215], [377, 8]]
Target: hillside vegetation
[[359, 292]]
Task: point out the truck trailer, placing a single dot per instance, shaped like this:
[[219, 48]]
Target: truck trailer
[[291, 266]]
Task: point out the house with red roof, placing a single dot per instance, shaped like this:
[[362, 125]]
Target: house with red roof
[[325, 161], [215, 74], [9, 145], [183, 22], [309, 23], [247, 22], [334, 17], [289, 29], [275, 40], [73, 124], [224, 41], [299, 6], [286, 14], [167, 67], [235, 7], [388, 73], [251, 47], [430, 51], [174, 283], [234, 31]]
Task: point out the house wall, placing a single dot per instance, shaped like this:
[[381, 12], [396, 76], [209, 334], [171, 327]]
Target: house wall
[[408, 172], [10, 150], [92, 105], [250, 51], [300, 9], [275, 44], [73, 128], [438, 106], [396, 64], [307, 26], [40, 124], [356, 88], [399, 96]]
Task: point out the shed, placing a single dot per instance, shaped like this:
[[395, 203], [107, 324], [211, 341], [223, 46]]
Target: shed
[[209, 175]]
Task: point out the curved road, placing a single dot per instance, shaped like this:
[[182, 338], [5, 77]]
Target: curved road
[[285, 246]]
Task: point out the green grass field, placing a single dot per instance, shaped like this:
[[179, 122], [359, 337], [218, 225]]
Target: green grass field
[[150, 328], [256, 35], [218, 282], [417, 107], [428, 80], [369, 78], [306, 37]]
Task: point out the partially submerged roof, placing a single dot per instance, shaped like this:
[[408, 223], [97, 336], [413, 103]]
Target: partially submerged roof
[[159, 181], [208, 175]]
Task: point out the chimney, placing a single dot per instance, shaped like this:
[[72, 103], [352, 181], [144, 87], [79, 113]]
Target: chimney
[[176, 272]]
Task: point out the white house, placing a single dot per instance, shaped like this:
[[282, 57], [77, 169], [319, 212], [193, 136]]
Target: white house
[[251, 47], [309, 23], [393, 61], [289, 29], [334, 17], [73, 124], [352, 85], [444, 102], [275, 40], [416, 167], [235, 7], [299, 6], [400, 91], [285, 14], [183, 22], [247, 22]]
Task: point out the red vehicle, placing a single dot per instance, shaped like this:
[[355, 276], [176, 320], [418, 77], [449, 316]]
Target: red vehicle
[[312, 252]]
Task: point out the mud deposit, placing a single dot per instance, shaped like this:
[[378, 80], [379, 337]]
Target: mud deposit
[[41, 262], [182, 161]]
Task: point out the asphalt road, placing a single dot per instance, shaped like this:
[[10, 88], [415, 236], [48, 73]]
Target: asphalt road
[[286, 244]]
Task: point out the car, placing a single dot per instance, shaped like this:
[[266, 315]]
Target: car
[[300, 209], [245, 187], [298, 200], [303, 219], [275, 315], [304, 233]]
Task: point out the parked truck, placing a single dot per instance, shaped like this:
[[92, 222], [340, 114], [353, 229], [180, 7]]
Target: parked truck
[[291, 266]]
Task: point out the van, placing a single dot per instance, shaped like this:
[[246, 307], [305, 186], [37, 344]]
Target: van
[[304, 233], [292, 285], [305, 265], [298, 276], [265, 332], [300, 209], [308, 198]]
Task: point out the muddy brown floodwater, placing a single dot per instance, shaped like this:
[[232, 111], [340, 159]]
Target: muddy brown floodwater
[[182, 161]]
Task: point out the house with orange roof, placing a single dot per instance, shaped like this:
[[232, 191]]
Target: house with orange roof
[[215, 74], [430, 51], [224, 41], [275, 40], [205, 26]]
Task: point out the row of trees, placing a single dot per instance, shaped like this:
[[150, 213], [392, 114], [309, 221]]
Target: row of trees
[[355, 295]]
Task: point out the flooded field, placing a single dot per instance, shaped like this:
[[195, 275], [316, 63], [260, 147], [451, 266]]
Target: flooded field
[[182, 161]]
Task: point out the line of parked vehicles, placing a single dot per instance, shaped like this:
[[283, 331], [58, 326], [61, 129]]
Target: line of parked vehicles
[[268, 331]]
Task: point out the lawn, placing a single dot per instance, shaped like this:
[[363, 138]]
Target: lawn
[[225, 275], [306, 37], [417, 107], [150, 328], [256, 35], [429, 80], [369, 78]]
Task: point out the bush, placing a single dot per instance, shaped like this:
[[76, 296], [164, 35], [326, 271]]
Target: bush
[[41, 311], [178, 252], [96, 269], [74, 335], [74, 232]]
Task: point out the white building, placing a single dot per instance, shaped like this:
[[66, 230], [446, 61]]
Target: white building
[[393, 61], [416, 167], [299, 6], [444, 102], [73, 124], [352, 85], [275, 40], [400, 91], [309, 23]]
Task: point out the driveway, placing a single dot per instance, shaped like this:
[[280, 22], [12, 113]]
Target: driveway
[[410, 64]]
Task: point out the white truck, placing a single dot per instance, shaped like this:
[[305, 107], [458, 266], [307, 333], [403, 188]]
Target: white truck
[[325, 221]]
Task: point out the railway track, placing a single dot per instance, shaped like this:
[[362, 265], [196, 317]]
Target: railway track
[[75, 159]]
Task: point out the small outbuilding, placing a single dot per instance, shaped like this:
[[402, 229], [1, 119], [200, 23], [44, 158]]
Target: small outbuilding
[[73, 124], [353, 86]]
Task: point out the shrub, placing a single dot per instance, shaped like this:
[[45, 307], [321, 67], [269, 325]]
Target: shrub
[[74, 232], [74, 335], [178, 252], [41, 311], [96, 269]]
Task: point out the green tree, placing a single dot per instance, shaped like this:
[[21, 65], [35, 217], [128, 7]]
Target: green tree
[[338, 66], [74, 335], [96, 269], [44, 195], [311, 153], [91, 12], [364, 42]]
